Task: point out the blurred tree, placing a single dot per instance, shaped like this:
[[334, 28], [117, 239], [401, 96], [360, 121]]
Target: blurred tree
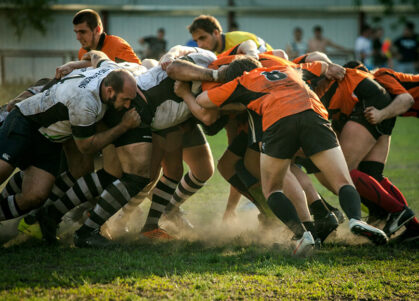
[[32, 13]]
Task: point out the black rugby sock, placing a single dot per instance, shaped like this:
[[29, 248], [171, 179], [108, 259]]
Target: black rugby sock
[[350, 202]]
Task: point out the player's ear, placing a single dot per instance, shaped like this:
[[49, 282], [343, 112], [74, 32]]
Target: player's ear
[[98, 29], [216, 32]]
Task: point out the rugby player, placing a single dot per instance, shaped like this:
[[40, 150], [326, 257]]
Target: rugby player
[[259, 90], [43, 121]]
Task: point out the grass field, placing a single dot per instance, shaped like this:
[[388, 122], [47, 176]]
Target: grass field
[[221, 262]]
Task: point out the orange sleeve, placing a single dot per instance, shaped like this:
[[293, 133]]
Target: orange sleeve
[[125, 53], [222, 94], [209, 85], [301, 59], [81, 53], [314, 67], [390, 84]]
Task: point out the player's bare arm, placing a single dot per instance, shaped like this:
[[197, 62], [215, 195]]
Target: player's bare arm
[[207, 116], [398, 106], [95, 143]]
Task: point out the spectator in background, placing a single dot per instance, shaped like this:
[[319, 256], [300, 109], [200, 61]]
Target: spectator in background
[[363, 47], [320, 43], [407, 49], [156, 45], [381, 54], [297, 47]]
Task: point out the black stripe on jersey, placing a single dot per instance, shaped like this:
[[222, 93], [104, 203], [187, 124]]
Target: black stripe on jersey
[[407, 85], [327, 97], [242, 95], [101, 41], [83, 131], [57, 112], [160, 93], [308, 75], [234, 51]]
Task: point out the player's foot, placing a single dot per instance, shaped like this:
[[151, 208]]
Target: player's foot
[[157, 234], [33, 230], [326, 225], [305, 245], [397, 220], [177, 216], [408, 236], [91, 239], [358, 227], [48, 225]]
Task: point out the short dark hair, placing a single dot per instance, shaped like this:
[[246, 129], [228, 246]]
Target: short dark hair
[[161, 29], [89, 16], [206, 23], [241, 64], [116, 80], [356, 65], [318, 28], [410, 25]]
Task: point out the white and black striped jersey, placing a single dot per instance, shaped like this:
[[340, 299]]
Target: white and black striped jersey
[[73, 105], [167, 108]]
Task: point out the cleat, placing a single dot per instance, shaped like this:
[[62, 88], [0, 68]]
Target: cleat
[[375, 235], [33, 230], [91, 239], [48, 225], [326, 225], [339, 215], [178, 217], [408, 236], [397, 220], [305, 245], [158, 234]]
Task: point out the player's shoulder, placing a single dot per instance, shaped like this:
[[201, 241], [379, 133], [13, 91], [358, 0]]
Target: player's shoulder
[[115, 40]]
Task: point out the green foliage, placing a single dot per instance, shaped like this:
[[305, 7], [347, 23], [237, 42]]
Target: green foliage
[[29, 13]]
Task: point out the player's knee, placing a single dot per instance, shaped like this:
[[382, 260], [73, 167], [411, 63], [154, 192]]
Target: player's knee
[[226, 167]]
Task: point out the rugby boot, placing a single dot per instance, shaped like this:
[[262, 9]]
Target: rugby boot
[[326, 225], [398, 220], [157, 234], [177, 216], [304, 246], [408, 236], [48, 224], [361, 228], [91, 239]]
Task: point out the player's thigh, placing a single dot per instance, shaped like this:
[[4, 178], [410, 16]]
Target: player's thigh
[[79, 164], [379, 152], [356, 142], [272, 171], [200, 161], [135, 158], [36, 186], [333, 166]]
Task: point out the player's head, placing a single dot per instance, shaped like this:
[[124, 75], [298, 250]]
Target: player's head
[[318, 31], [160, 33], [206, 31], [237, 67], [409, 29], [88, 28], [356, 65], [120, 89], [298, 33]]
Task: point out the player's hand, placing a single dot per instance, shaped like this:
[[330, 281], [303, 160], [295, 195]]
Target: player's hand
[[131, 119], [373, 115], [63, 70], [335, 71], [182, 88], [166, 60]]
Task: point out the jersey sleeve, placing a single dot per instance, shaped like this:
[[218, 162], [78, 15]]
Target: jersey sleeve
[[310, 70], [83, 117], [224, 94], [390, 84], [126, 54], [301, 59]]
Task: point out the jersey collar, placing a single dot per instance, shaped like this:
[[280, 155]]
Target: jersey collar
[[101, 41]]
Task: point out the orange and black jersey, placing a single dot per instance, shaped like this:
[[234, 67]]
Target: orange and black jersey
[[397, 83], [273, 93], [267, 59], [338, 96], [116, 48]]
